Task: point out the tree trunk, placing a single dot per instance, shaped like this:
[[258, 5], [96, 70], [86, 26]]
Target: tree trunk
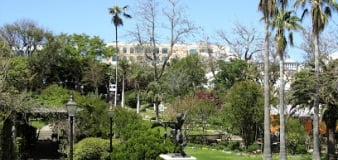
[[267, 139], [8, 149], [157, 111], [138, 102], [122, 94], [282, 139], [117, 51], [316, 145]]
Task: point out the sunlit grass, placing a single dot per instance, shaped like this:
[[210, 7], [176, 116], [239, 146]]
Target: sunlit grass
[[212, 154], [37, 124]]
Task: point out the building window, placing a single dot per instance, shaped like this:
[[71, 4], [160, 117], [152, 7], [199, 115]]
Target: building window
[[115, 58], [164, 50], [192, 51], [124, 50], [131, 50]]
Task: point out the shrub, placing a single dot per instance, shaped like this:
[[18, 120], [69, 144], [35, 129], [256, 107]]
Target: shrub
[[253, 147], [131, 99], [91, 148], [301, 149], [296, 136], [234, 145]]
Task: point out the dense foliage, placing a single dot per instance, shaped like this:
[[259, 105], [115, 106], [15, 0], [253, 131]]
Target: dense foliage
[[244, 109], [91, 148], [138, 140]]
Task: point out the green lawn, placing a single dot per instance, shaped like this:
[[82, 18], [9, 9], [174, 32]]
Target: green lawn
[[37, 124], [209, 154]]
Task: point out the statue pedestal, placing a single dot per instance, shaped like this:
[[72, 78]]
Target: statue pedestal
[[176, 157]]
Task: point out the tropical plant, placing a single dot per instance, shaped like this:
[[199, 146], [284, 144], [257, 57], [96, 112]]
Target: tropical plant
[[116, 11], [267, 7], [283, 21], [320, 13]]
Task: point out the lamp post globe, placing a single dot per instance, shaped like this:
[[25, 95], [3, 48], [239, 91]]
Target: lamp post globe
[[71, 107]]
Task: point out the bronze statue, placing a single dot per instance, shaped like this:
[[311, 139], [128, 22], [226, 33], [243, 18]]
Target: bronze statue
[[176, 135]]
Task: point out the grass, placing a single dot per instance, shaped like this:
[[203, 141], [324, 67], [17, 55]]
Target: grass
[[37, 124], [210, 154]]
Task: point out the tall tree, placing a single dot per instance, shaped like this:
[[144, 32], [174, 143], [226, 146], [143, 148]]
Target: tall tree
[[179, 28], [93, 75], [320, 14], [124, 67], [267, 7], [244, 103], [184, 76], [116, 11], [329, 95], [24, 36], [246, 41], [141, 76], [284, 21]]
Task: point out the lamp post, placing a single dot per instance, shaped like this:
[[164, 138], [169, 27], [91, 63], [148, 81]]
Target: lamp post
[[111, 114], [71, 109]]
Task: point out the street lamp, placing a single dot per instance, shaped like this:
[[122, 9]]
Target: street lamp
[[111, 114], [71, 107], [111, 89]]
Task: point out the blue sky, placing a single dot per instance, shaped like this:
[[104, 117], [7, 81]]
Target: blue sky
[[92, 18]]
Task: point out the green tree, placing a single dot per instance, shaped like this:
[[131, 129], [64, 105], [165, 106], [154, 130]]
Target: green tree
[[140, 76], [234, 71], [125, 69], [19, 75], [93, 120], [185, 75], [23, 36], [94, 75], [244, 109], [116, 12], [284, 22], [329, 95], [320, 14], [65, 58], [267, 7]]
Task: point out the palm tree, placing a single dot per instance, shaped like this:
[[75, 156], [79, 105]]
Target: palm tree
[[283, 20], [116, 11], [267, 7], [320, 14]]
